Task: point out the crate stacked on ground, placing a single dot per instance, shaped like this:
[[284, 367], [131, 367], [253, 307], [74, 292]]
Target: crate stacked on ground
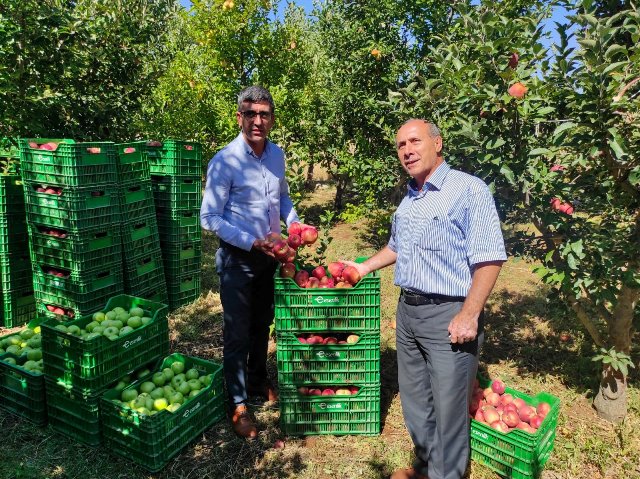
[[149, 426], [17, 303], [73, 213], [141, 254], [176, 176], [516, 454], [81, 362], [22, 389], [328, 355]]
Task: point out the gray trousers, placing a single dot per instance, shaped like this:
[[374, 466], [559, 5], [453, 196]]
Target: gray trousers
[[436, 380]]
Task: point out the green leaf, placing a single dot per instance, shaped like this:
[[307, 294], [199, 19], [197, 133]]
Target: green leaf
[[623, 369], [540, 151], [617, 149], [571, 261], [614, 66], [613, 50], [607, 359], [634, 176], [496, 144], [587, 44], [508, 174]]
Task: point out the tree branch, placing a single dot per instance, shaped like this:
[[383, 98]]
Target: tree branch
[[586, 321]]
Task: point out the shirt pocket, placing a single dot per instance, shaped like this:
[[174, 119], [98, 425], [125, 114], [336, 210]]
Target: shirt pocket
[[433, 234]]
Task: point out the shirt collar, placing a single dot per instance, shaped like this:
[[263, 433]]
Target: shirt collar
[[248, 150], [435, 180]]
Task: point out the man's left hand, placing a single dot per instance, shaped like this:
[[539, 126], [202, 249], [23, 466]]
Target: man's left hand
[[463, 328]]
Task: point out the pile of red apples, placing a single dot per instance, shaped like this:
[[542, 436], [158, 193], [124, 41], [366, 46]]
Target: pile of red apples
[[328, 390], [339, 276], [316, 338], [285, 249], [504, 412], [53, 146]]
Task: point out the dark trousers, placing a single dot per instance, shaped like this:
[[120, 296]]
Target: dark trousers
[[246, 292], [436, 380]]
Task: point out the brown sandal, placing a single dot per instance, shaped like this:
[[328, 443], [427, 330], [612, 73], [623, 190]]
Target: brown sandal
[[242, 423]]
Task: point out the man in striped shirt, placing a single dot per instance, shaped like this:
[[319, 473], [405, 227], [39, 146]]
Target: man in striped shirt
[[448, 249]]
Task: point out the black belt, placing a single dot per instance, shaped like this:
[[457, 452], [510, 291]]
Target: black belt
[[418, 299]]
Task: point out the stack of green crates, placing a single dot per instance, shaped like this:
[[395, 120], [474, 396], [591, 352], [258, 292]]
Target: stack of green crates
[[73, 213], [22, 390], [141, 254], [79, 370], [348, 364], [17, 303], [176, 176]]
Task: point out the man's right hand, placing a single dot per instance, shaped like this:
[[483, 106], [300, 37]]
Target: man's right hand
[[362, 269], [264, 246]]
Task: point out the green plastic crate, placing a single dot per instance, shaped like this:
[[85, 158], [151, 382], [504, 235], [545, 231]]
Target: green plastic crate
[[157, 293], [516, 454], [11, 195], [182, 260], [77, 250], [183, 289], [140, 268], [92, 365], [53, 292], [139, 236], [136, 200], [75, 413], [78, 285], [75, 209], [327, 309], [355, 363], [70, 164], [177, 192], [14, 236], [133, 159], [152, 440], [178, 158], [302, 415], [18, 307], [22, 392]]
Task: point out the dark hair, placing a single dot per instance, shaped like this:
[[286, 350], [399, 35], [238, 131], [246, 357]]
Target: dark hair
[[255, 94]]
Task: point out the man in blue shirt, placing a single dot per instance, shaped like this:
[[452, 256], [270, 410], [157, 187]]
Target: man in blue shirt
[[245, 197], [448, 249]]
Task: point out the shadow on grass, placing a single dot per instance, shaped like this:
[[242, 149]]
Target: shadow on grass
[[527, 330]]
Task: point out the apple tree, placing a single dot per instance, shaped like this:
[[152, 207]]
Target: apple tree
[[557, 140]]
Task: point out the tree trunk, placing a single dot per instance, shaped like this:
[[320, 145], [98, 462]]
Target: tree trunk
[[611, 401], [309, 180]]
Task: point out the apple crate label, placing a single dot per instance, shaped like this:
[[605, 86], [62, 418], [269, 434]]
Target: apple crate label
[[126, 344], [481, 434], [49, 202], [52, 243], [44, 158], [188, 412], [324, 406], [328, 355], [57, 283], [325, 301]]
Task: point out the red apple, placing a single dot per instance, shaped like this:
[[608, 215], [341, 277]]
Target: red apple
[[543, 409], [58, 311], [493, 399], [40, 189], [519, 402], [50, 191], [506, 399], [313, 282], [304, 390], [511, 418], [278, 444], [288, 270], [309, 235], [536, 421], [302, 340], [490, 414], [479, 416], [330, 340], [486, 392], [93, 150], [335, 268], [301, 278], [351, 275], [497, 386], [315, 392], [526, 413], [513, 60], [354, 389], [319, 272], [294, 241], [500, 426], [33, 145], [558, 168], [129, 150], [280, 249], [294, 229], [518, 90], [328, 392]]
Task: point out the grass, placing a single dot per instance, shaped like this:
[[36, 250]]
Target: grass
[[523, 347]]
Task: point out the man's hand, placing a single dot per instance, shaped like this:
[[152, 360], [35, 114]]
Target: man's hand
[[363, 270], [263, 246], [463, 328]]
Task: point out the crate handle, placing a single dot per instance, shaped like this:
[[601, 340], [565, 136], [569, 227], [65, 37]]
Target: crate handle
[[102, 234], [146, 260], [134, 188], [188, 247], [139, 226], [94, 150], [129, 150], [98, 193], [188, 147], [188, 181], [104, 274]]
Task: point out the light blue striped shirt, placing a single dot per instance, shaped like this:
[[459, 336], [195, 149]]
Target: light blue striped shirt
[[441, 231], [246, 196]]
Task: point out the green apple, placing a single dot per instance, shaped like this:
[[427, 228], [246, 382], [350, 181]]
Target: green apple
[[147, 387], [176, 397], [139, 312], [110, 315], [157, 393], [134, 322], [89, 327], [168, 374], [128, 395], [9, 361], [126, 330], [194, 384], [159, 379], [35, 342], [143, 410], [206, 380], [117, 323], [148, 403], [194, 393], [168, 391], [160, 404], [98, 317], [145, 320], [184, 388], [177, 381], [26, 334], [34, 355], [111, 331], [173, 407], [177, 367], [73, 329], [118, 310], [192, 374], [142, 373], [120, 386]]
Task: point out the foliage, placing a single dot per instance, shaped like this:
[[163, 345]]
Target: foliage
[[617, 361], [79, 69]]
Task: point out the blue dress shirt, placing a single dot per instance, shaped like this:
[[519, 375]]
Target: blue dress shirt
[[441, 231], [246, 196]]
